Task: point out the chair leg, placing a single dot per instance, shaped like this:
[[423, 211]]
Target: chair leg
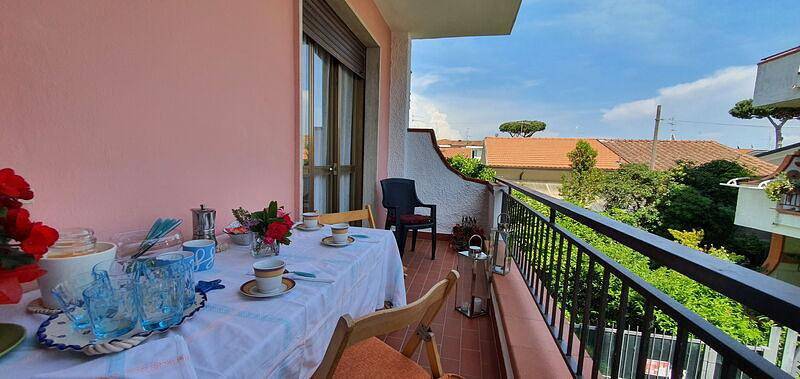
[[433, 242], [413, 239], [401, 239]]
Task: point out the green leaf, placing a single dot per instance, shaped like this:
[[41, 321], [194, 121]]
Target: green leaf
[[273, 209], [3, 211]]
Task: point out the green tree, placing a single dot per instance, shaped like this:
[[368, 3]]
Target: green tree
[[471, 167], [777, 116], [728, 315], [582, 183], [696, 200], [522, 128]]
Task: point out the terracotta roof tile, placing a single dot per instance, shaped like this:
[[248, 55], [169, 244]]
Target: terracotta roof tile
[[670, 152], [542, 152]]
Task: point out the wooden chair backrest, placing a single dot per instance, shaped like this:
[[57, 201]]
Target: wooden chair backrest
[[349, 332], [359, 215]]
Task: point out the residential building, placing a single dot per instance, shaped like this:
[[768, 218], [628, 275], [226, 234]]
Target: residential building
[[541, 162], [778, 79], [776, 156], [778, 85], [468, 149]]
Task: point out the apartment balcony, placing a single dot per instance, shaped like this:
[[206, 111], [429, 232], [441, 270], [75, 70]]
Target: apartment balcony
[[568, 310]]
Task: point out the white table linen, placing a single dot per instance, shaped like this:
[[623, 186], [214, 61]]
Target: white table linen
[[239, 337]]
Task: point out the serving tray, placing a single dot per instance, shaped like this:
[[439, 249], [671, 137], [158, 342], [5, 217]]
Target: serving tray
[[57, 333]]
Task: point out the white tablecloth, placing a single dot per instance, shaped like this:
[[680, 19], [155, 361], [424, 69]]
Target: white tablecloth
[[235, 336]]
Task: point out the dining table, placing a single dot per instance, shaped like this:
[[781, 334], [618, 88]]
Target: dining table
[[235, 336]]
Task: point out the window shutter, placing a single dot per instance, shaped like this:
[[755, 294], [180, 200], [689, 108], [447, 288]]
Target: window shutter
[[325, 27]]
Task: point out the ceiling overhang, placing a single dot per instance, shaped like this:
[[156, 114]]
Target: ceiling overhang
[[450, 18]]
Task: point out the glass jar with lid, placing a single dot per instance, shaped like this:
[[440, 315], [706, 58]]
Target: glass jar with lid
[[73, 242]]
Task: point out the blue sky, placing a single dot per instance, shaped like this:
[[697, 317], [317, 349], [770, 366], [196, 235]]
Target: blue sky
[[597, 69]]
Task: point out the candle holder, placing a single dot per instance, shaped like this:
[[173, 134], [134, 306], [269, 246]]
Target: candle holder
[[501, 260], [472, 290]]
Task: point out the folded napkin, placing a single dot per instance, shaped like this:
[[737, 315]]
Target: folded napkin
[[156, 358]]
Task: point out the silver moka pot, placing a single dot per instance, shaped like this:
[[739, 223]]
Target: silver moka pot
[[203, 220]]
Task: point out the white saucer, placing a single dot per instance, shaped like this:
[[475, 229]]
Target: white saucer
[[250, 289], [303, 228], [328, 241]]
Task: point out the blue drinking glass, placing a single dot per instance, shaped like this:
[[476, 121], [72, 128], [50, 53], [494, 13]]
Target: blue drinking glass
[[184, 272], [159, 297], [69, 295], [111, 305]]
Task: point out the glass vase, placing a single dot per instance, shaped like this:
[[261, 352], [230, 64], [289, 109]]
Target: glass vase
[[260, 248]]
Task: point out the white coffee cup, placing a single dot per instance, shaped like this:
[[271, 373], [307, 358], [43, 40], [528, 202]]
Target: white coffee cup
[[340, 232], [269, 273], [310, 220]]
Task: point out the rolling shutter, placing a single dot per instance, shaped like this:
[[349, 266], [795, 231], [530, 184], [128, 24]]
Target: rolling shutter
[[323, 26]]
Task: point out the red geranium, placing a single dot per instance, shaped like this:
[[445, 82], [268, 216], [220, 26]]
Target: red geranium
[[13, 185], [277, 231], [22, 242]]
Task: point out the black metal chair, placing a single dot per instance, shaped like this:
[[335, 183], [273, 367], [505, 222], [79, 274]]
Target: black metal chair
[[400, 200]]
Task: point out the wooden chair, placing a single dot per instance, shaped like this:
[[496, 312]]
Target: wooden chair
[[356, 352], [359, 215]]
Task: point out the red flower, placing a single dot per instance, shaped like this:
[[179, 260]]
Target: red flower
[[39, 239], [9, 203], [277, 231], [288, 220], [13, 185], [17, 224], [10, 290]]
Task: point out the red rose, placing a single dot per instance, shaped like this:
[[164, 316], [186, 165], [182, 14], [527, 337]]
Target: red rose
[[10, 290], [277, 231], [40, 238], [17, 224], [13, 185], [288, 220]]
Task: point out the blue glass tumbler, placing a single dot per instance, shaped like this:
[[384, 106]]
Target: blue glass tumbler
[[159, 296], [184, 273], [69, 295], [111, 305]]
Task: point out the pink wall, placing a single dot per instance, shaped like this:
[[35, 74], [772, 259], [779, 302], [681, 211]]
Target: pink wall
[[120, 112]]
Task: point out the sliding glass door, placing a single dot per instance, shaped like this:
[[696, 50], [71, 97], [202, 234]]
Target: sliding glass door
[[332, 132]]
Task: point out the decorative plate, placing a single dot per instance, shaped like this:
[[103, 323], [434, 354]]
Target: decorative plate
[[328, 241], [10, 336], [302, 227], [57, 333], [250, 289]]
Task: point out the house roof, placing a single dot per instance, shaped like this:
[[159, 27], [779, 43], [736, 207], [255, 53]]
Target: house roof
[[450, 152], [782, 54], [548, 153], [458, 143], [670, 152], [793, 146]]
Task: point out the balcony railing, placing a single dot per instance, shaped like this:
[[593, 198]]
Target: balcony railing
[[569, 280]]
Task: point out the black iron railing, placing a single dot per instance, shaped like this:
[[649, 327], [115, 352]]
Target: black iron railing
[[570, 280]]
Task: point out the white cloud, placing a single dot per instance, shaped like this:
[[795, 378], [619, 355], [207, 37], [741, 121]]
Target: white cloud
[[705, 100], [425, 114], [423, 81]]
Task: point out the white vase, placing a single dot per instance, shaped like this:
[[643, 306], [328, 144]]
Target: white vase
[[60, 269]]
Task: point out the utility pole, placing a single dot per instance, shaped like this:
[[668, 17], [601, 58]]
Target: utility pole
[[654, 150]]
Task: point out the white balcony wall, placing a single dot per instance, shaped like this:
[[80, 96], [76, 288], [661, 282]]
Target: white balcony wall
[[754, 210], [778, 82], [436, 183]]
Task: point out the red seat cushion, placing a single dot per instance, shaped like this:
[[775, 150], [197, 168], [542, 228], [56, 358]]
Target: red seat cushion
[[412, 219]]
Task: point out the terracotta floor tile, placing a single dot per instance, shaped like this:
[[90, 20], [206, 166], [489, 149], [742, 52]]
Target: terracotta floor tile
[[451, 366], [470, 339], [451, 348], [470, 363]]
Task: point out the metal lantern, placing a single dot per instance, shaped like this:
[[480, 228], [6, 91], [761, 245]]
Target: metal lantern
[[472, 290], [501, 260]]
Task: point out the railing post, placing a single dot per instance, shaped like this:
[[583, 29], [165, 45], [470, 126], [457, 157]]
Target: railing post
[[552, 216], [498, 192]]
